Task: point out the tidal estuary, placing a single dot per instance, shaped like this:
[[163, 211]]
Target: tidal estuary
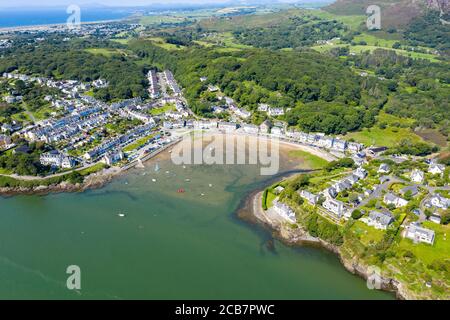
[[179, 238]]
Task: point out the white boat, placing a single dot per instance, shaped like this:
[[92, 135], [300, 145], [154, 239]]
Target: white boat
[[154, 180], [121, 215]]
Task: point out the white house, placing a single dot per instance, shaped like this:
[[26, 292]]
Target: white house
[[384, 168], [277, 131], [417, 176], [227, 126], [250, 128], [262, 107], [436, 168], [278, 190], [439, 201], [265, 126], [335, 206], [360, 173], [380, 220], [274, 112], [355, 147], [419, 234], [212, 88], [112, 157], [56, 159], [339, 145], [309, 196], [243, 113], [435, 218], [390, 198], [228, 100], [284, 211]]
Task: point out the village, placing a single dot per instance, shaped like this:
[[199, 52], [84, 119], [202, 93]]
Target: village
[[83, 131], [384, 193]]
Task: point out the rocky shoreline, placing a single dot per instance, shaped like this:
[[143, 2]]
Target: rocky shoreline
[[93, 181], [252, 212]]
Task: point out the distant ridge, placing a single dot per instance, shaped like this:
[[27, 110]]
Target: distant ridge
[[395, 13]]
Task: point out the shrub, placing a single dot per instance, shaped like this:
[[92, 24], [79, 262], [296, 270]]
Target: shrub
[[356, 214]]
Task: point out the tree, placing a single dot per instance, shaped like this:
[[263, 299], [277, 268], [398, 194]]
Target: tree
[[356, 214]]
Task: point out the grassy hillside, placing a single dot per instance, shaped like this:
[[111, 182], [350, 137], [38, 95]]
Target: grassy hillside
[[394, 13]]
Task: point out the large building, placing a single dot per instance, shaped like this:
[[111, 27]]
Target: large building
[[153, 89], [57, 159], [112, 157], [334, 206], [391, 198], [418, 234], [380, 220], [171, 82], [284, 211]]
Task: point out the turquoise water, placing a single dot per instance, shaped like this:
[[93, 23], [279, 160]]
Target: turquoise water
[[36, 16], [170, 245]]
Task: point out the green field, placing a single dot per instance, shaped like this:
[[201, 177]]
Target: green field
[[160, 42], [107, 52], [95, 168], [309, 160], [158, 111], [425, 252], [388, 137], [366, 234], [389, 119], [270, 198], [362, 48], [353, 21], [161, 19]]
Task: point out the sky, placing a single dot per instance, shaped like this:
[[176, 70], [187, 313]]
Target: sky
[[128, 3]]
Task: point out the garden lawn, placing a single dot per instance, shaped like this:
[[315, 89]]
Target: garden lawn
[[366, 234], [428, 253]]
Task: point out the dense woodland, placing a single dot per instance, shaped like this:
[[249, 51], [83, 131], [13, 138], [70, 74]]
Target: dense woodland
[[296, 32], [430, 32], [417, 89], [58, 59]]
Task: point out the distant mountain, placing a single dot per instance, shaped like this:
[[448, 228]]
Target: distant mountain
[[394, 13]]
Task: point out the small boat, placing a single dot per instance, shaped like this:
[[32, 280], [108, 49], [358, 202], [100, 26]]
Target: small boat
[[184, 167], [202, 194], [121, 215], [210, 185], [181, 190], [167, 172], [154, 180], [187, 180]]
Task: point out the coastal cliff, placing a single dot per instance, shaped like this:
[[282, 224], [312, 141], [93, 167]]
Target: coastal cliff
[[253, 212]]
